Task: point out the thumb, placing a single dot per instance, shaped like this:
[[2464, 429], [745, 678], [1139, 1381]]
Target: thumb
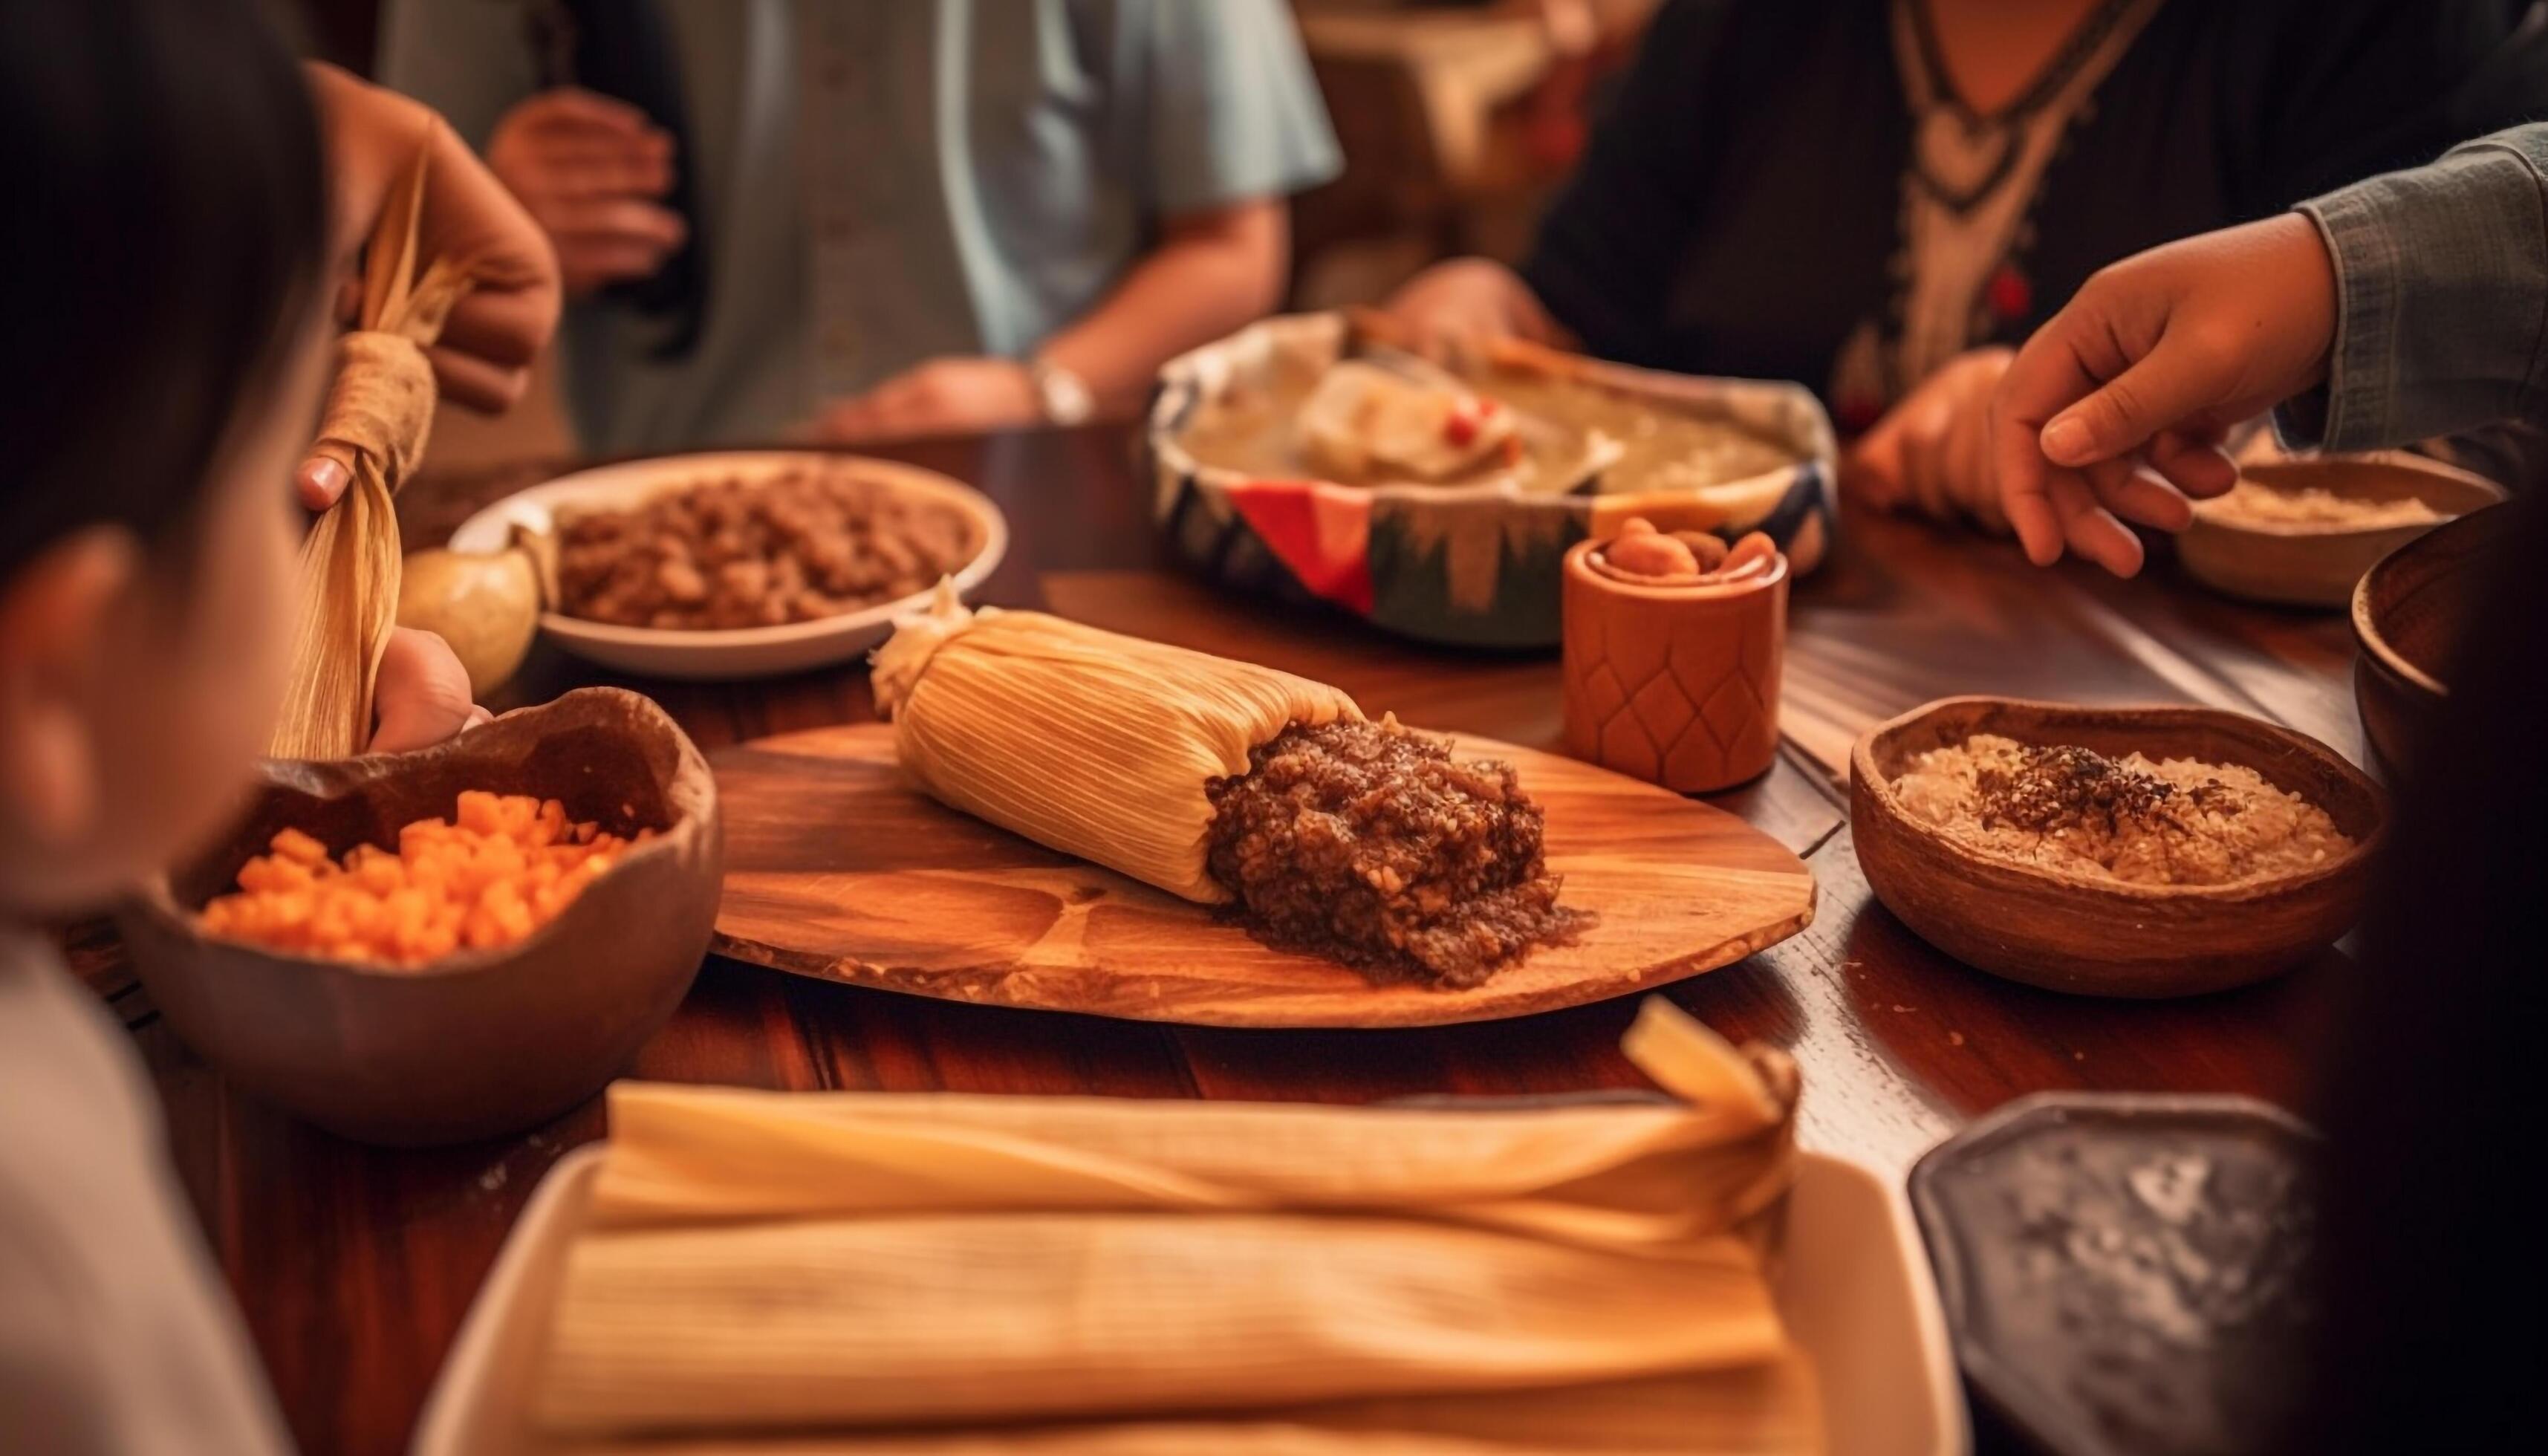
[[321, 481], [2125, 412]]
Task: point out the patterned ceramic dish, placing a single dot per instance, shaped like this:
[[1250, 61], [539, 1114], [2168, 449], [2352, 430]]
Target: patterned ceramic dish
[[1473, 565]]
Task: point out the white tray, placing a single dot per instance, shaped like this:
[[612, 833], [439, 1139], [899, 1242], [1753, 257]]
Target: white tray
[[1854, 1289]]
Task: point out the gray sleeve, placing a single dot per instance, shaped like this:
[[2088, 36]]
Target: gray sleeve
[[2442, 298], [469, 59], [1233, 111]]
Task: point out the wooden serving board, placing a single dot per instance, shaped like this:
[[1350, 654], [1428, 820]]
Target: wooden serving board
[[838, 866]]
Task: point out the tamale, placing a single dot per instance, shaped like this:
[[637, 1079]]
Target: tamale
[[1227, 781], [1127, 1275], [1098, 745], [378, 413]]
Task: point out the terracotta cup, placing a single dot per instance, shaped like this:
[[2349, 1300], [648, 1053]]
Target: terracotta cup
[[1674, 682]]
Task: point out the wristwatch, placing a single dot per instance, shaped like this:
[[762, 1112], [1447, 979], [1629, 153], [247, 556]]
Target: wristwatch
[[1064, 396]]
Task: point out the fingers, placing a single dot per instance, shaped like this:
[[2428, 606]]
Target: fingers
[[2159, 392], [422, 695], [571, 109], [2089, 528], [645, 171], [2196, 465], [320, 482], [604, 241], [2141, 496], [614, 220], [477, 383], [2047, 375]]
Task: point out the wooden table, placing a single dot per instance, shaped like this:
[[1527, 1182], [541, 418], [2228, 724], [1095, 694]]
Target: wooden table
[[355, 1265]]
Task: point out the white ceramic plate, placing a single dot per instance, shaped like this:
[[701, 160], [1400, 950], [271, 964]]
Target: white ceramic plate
[[751, 652], [1854, 1288]]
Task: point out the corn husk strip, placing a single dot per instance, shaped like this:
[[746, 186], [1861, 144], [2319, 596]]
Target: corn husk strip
[[1642, 1179], [1767, 1409], [774, 1262], [379, 411], [1087, 742], [983, 1317]]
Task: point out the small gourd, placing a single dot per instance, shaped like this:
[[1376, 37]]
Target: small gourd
[[485, 605]]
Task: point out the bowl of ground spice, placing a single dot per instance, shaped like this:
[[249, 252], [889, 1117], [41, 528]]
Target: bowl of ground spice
[[435, 946], [2113, 851], [2300, 532]]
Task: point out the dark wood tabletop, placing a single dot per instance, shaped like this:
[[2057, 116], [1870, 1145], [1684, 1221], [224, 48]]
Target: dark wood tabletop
[[355, 1265]]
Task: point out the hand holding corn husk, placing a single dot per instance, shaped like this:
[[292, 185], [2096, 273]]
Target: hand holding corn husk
[[377, 414], [483, 359]]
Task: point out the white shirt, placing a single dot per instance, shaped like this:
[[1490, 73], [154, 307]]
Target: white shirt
[[116, 1333]]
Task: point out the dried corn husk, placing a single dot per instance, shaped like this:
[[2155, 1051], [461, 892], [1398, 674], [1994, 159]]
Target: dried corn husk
[[1259, 1278], [1088, 742], [1767, 1409], [377, 414]]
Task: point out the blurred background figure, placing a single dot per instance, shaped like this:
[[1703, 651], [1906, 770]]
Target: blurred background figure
[[853, 221], [1875, 197]]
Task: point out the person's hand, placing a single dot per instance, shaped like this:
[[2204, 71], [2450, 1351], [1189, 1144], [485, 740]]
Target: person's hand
[[593, 171], [942, 396], [2115, 410], [1931, 452], [483, 358], [1450, 310], [420, 696]]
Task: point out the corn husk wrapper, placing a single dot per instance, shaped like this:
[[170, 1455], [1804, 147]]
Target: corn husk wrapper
[[1088, 742], [1768, 1409], [1250, 1278], [377, 414]]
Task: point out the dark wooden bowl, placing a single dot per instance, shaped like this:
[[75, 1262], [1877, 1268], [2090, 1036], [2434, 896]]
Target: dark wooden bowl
[[2409, 612], [479, 1043], [2092, 935]]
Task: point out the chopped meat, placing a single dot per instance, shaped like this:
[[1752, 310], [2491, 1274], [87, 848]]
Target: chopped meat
[[1369, 844]]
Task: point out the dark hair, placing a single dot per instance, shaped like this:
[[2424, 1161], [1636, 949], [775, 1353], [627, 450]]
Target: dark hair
[[167, 226]]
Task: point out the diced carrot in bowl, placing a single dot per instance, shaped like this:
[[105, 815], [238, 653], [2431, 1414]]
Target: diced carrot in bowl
[[501, 867]]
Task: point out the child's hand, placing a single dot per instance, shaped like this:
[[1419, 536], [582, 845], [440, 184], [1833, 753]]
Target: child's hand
[[484, 355], [2115, 411], [421, 695], [1931, 452]]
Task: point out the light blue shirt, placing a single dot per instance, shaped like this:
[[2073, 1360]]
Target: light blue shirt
[[885, 181]]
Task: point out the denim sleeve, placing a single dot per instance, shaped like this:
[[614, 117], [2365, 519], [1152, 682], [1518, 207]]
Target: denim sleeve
[[2442, 299]]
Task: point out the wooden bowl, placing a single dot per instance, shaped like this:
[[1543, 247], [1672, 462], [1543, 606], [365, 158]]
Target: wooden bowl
[[2092, 935], [2409, 613], [479, 1043], [2314, 565]]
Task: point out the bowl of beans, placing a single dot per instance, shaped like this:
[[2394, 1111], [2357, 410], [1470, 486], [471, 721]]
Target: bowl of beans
[[435, 946], [741, 564]]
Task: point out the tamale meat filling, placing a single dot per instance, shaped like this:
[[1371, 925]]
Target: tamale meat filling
[[1371, 844]]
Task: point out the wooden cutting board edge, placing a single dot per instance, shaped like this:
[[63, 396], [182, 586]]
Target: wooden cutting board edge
[[1179, 998]]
